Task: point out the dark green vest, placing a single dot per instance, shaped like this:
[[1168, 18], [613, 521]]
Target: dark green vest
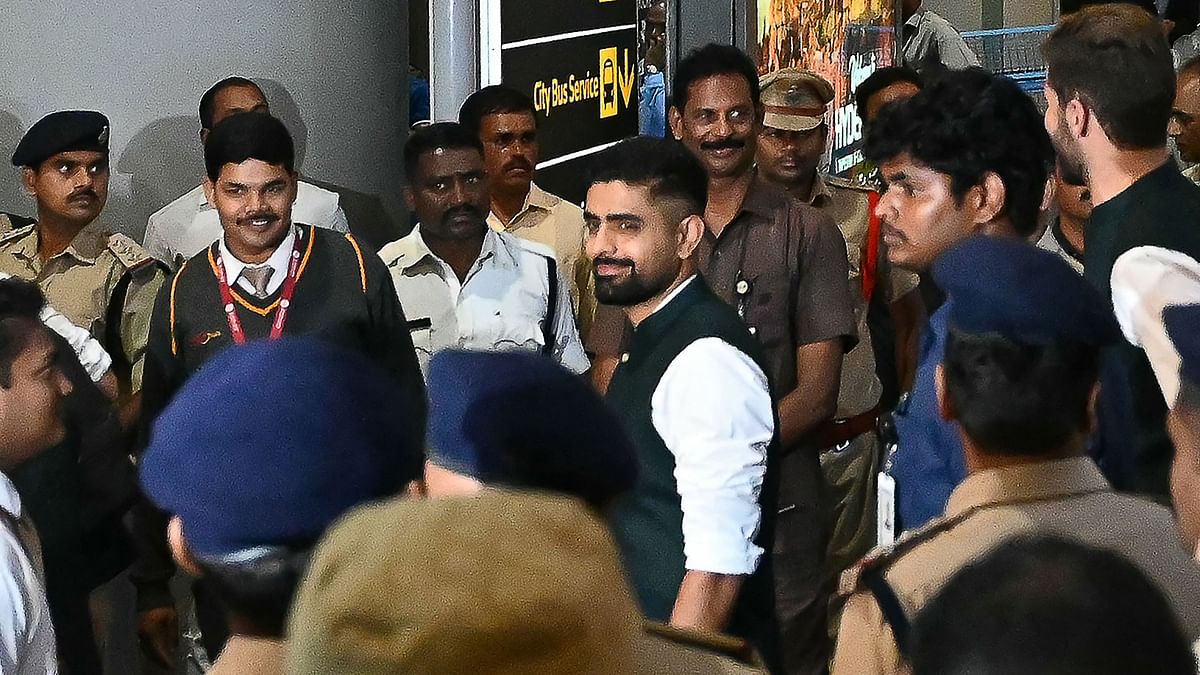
[[649, 522]]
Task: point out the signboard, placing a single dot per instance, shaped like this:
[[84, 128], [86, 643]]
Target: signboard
[[578, 61], [843, 40]]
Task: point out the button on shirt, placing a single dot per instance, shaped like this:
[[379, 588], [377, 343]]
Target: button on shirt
[[26, 634], [502, 303], [190, 224], [713, 410]]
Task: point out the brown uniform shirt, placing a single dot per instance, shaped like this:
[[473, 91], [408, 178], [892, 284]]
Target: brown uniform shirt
[[81, 281], [792, 260], [1068, 498]]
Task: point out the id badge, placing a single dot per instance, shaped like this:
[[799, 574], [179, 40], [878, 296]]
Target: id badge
[[885, 511]]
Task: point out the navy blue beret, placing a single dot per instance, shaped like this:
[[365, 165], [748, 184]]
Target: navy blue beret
[[518, 419], [1183, 328], [1008, 286], [270, 442], [62, 132]]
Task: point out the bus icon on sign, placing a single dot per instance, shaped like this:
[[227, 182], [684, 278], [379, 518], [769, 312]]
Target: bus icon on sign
[[608, 82]]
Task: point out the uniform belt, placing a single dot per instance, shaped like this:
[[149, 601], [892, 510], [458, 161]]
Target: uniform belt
[[835, 432]]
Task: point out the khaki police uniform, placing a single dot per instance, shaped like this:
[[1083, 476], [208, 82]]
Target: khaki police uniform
[[103, 282], [665, 650], [1068, 498]]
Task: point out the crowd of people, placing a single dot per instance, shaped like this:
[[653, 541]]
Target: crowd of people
[[733, 415]]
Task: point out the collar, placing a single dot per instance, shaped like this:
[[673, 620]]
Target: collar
[[673, 294], [915, 19], [762, 198], [10, 501], [537, 199], [278, 260], [821, 195], [1033, 482], [412, 251], [1062, 241]]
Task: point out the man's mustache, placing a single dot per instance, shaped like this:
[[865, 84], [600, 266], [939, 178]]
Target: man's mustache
[[725, 144], [518, 163], [269, 216], [620, 262], [464, 210], [85, 192]]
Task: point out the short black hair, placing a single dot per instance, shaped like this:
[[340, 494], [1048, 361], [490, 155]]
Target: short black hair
[[713, 59], [496, 99], [1066, 7], [1013, 397], [1115, 59], [445, 135], [882, 79], [208, 102], [1045, 605], [258, 591], [668, 169], [249, 135], [965, 124], [21, 304]]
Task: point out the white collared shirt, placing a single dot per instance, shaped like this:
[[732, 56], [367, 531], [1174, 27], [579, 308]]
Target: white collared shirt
[[278, 262], [26, 633], [714, 412], [502, 304], [190, 224]]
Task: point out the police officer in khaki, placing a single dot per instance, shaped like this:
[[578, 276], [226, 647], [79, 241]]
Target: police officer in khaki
[[1019, 381], [101, 281], [790, 149]]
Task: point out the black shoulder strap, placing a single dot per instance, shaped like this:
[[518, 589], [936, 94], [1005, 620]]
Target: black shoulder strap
[[889, 604], [112, 327], [548, 335]]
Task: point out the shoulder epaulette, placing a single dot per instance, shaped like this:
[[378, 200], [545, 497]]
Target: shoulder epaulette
[[129, 253], [16, 233], [882, 557], [847, 184]]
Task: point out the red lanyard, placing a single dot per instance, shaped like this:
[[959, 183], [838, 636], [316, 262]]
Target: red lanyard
[[289, 287]]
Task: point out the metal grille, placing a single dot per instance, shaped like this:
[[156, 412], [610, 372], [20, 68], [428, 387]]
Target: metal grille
[[1010, 51]]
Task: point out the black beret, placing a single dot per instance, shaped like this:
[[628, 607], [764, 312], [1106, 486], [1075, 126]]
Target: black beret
[[1012, 288], [62, 131]]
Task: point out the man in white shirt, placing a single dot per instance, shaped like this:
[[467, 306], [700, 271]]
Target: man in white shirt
[[463, 284], [930, 39], [693, 397], [187, 225], [31, 391], [505, 121]]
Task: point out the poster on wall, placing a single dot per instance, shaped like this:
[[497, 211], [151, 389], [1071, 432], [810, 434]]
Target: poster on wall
[[843, 40], [578, 61]]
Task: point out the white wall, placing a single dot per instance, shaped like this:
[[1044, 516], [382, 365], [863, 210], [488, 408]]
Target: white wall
[[335, 72]]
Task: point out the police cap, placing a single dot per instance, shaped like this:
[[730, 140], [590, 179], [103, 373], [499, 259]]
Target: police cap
[[62, 131]]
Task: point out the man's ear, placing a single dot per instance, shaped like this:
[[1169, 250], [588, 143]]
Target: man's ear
[[28, 180], [179, 548], [988, 198], [1079, 117], [691, 231], [1093, 404], [210, 190], [675, 119], [203, 136], [409, 200], [945, 406]]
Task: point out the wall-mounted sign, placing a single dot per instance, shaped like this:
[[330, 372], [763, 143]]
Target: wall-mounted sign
[[844, 41], [578, 61]]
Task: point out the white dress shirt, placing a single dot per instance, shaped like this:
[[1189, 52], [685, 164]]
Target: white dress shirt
[[278, 262], [26, 633], [713, 410], [190, 224], [502, 303], [91, 354]]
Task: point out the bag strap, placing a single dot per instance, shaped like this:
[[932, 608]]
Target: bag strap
[[889, 605], [548, 337]]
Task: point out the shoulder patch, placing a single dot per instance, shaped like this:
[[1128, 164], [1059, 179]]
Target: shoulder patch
[[16, 233], [883, 556], [128, 252]]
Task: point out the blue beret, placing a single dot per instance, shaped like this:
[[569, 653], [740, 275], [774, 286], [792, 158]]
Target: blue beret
[[62, 132], [1008, 286], [518, 419], [1183, 328], [270, 442]]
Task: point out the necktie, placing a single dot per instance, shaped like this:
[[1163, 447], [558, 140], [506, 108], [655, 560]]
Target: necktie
[[258, 278]]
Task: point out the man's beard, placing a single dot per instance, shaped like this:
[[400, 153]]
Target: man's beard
[[1070, 159], [630, 290]]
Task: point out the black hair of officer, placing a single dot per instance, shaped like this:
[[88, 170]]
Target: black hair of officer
[[249, 135], [1044, 605]]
